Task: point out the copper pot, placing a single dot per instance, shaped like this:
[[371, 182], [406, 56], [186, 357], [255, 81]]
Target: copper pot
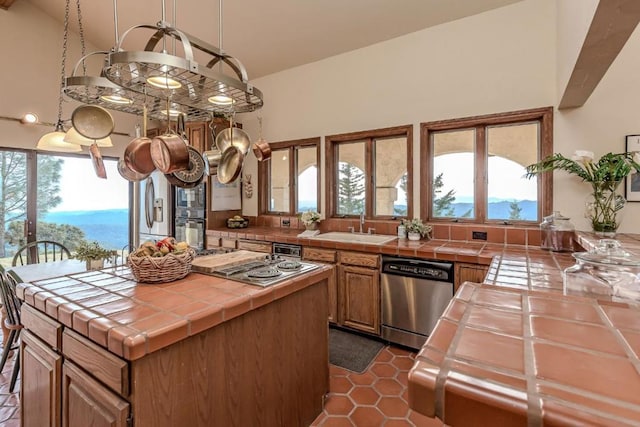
[[170, 152], [262, 150], [137, 154]]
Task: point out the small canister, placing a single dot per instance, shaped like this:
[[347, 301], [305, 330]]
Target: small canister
[[557, 233]]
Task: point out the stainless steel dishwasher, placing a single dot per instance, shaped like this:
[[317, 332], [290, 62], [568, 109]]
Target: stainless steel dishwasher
[[415, 293]]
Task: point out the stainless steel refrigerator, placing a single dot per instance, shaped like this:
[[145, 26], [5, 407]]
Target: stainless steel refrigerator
[[155, 211]]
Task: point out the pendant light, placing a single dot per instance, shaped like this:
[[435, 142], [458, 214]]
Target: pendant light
[[54, 141], [221, 97]]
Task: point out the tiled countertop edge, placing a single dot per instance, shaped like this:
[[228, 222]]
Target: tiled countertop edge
[[162, 326]]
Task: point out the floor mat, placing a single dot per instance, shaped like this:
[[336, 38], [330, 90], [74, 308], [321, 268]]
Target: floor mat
[[352, 351]]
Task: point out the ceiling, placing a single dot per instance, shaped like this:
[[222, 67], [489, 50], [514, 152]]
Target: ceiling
[[269, 36]]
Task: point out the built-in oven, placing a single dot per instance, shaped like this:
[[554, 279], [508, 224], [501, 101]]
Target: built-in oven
[[192, 231], [191, 202]]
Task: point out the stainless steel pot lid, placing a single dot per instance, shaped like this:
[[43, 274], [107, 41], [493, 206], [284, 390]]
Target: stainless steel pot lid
[[92, 122]]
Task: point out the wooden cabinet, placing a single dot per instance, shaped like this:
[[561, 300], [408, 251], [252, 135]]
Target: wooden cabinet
[[86, 402], [326, 256], [199, 135], [41, 372], [359, 291], [468, 273], [255, 246], [55, 391]]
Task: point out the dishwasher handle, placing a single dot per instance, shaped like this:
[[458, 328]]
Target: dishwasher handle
[[420, 269]]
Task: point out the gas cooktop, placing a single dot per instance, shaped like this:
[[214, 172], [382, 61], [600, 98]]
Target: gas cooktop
[[267, 272]]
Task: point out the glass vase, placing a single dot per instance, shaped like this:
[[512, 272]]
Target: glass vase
[[604, 208]]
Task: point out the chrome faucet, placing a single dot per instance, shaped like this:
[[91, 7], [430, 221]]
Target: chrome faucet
[[361, 221]]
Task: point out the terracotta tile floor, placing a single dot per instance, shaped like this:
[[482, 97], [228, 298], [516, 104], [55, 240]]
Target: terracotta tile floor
[[375, 398]]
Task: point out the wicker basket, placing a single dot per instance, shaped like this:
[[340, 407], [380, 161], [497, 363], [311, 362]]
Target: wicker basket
[[168, 268]]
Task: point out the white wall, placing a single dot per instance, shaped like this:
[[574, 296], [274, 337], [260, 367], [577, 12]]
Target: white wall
[[31, 46], [502, 60], [610, 113]]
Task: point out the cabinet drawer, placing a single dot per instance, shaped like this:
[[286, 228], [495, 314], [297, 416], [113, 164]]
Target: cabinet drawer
[[228, 243], [106, 367], [47, 329], [213, 242], [254, 246], [360, 259], [322, 255]]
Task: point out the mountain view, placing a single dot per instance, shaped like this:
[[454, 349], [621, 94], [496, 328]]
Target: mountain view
[[109, 227]]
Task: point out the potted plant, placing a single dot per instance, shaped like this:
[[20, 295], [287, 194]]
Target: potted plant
[[604, 175], [310, 219], [416, 229], [93, 254]]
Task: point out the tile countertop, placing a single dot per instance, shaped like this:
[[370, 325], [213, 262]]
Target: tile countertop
[[515, 351], [132, 319]]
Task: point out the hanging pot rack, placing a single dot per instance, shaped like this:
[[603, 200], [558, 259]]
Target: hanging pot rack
[[196, 86], [124, 82], [94, 89]]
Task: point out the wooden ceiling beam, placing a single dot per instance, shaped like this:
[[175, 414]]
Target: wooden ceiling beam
[[6, 4], [611, 27]]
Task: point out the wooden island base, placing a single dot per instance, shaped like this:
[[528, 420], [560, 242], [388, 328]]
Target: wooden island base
[[263, 362], [268, 367]]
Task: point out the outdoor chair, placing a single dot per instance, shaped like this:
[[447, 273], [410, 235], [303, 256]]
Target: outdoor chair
[[40, 251]]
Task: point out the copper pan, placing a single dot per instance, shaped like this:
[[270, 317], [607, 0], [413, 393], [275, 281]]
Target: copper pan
[[129, 174]]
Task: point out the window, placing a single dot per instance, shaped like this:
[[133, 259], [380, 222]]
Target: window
[[52, 197], [369, 172], [473, 168], [290, 181]]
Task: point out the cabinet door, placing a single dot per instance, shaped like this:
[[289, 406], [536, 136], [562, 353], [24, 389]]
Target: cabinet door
[[40, 382], [469, 273], [359, 298], [86, 402], [197, 133], [325, 256]]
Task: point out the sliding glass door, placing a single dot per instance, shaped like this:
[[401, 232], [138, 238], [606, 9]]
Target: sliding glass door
[[53, 197]]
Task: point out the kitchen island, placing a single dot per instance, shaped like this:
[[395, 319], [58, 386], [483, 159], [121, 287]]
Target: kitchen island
[[200, 351], [515, 351]]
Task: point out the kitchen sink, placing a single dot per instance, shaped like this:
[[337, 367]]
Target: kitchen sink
[[339, 236]]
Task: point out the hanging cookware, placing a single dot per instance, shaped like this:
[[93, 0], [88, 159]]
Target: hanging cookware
[[230, 164], [233, 136], [169, 152], [192, 175], [261, 148], [129, 174], [96, 159], [137, 154], [92, 122], [212, 157]]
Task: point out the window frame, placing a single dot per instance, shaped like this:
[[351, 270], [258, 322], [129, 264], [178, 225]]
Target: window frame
[[264, 175], [331, 160], [480, 123]]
